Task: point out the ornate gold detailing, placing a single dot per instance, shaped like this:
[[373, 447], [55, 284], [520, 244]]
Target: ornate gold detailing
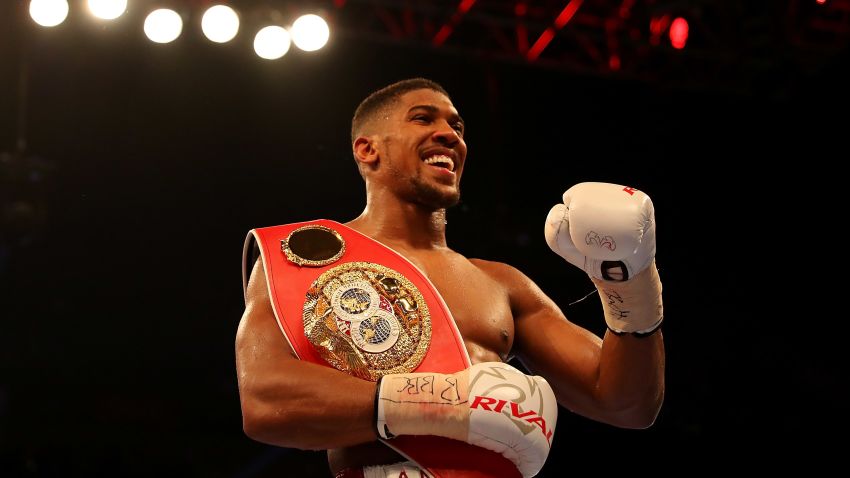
[[367, 319], [313, 246]]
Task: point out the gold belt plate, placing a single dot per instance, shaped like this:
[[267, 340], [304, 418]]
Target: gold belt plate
[[367, 320]]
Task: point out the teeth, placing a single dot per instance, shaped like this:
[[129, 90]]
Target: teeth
[[440, 158]]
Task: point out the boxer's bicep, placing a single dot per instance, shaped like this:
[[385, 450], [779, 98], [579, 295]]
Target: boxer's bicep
[[258, 330], [567, 355], [289, 402], [260, 346]]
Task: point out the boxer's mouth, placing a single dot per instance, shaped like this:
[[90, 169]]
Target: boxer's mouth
[[440, 157], [441, 161]]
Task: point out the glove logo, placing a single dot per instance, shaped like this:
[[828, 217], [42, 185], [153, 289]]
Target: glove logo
[[593, 238], [514, 412], [526, 421]]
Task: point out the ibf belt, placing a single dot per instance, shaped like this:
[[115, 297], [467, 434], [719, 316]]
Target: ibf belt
[[367, 320], [345, 301]]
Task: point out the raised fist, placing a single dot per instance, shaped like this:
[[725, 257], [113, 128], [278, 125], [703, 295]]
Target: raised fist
[[605, 229], [608, 231]]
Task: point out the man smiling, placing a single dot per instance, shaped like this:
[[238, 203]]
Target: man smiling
[[393, 346]]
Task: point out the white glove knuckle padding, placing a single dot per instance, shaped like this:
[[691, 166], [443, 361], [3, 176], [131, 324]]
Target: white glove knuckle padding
[[524, 419], [602, 224]]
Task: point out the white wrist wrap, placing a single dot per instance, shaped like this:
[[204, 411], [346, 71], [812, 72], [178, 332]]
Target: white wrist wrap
[[424, 404], [633, 306]]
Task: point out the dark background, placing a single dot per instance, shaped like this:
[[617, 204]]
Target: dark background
[[145, 166]]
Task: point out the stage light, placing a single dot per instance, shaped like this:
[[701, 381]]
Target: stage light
[[49, 13], [163, 25], [271, 42], [107, 9], [679, 33], [220, 24], [310, 32]]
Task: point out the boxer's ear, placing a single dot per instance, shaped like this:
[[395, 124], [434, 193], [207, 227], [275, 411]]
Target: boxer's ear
[[366, 150]]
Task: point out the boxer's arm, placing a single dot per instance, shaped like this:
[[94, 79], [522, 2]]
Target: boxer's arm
[[618, 380], [288, 402]]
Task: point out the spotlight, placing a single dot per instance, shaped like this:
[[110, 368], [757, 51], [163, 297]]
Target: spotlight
[[220, 24], [49, 13], [107, 9], [272, 42], [679, 33], [163, 25], [310, 32]]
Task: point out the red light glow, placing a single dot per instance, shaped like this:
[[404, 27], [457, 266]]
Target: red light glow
[[679, 33]]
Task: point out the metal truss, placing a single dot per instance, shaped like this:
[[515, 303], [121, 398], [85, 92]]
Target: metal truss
[[730, 43]]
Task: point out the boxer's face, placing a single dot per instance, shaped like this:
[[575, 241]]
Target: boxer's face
[[421, 149]]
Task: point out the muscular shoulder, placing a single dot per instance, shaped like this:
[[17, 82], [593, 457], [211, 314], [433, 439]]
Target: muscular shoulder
[[525, 296], [259, 327], [257, 291], [509, 276]]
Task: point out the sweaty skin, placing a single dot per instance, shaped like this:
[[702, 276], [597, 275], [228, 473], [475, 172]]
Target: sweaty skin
[[498, 310]]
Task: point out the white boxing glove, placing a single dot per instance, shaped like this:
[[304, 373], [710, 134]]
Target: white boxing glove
[[491, 405], [608, 230], [601, 224]]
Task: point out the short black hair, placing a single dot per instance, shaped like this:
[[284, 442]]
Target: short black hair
[[387, 95]]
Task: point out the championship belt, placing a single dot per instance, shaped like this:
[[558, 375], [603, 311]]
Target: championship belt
[[346, 301]]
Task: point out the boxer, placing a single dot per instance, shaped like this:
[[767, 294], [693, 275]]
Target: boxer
[[408, 144]]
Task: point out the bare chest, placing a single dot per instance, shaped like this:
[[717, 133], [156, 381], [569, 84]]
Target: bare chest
[[478, 303]]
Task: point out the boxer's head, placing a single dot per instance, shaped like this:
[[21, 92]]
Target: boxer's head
[[408, 139]]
